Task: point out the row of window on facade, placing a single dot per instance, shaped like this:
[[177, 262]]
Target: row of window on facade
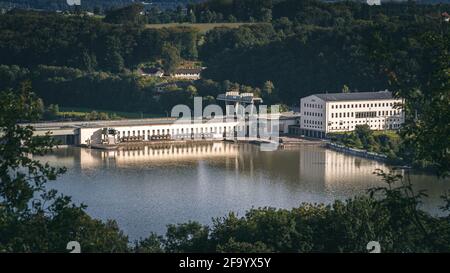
[[175, 131], [314, 114], [371, 114], [314, 124], [181, 131], [363, 121], [318, 124], [362, 105], [313, 105], [372, 126]]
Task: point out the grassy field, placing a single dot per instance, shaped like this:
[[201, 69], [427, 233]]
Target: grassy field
[[202, 27], [80, 112], [391, 133]]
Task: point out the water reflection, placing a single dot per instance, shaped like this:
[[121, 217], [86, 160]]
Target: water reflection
[[145, 188]]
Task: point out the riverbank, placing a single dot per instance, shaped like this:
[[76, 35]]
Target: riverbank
[[147, 188], [356, 152]]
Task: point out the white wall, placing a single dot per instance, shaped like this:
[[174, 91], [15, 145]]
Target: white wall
[[175, 130], [313, 113], [341, 116]]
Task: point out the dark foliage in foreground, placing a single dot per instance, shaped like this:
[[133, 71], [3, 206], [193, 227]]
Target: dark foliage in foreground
[[33, 218]]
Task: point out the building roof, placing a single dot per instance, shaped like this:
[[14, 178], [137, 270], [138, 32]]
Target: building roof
[[238, 97], [380, 95], [188, 71]]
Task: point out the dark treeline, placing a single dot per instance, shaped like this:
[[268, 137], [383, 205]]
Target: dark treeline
[[305, 11], [62, 4], [95, 6], [128, 92], [85, 43], [322, 53], [312, 59], [306, 47]]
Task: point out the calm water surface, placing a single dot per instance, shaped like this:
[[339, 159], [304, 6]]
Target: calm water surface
[[146, 188]]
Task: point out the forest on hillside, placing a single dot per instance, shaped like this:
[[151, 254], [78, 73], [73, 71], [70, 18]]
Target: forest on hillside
[[88, 5], [306, 47]]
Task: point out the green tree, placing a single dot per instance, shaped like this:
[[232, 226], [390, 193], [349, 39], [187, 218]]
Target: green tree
[[32, 218], [231, 18], [345, 89], [52, 112], [129, 14], [170, 58], [427, 99]]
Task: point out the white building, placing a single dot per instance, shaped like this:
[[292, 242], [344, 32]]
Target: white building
[[340, 112], [187, 73], [373, 2], [86, 133]]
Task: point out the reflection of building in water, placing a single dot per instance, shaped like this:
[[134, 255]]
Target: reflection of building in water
[[166, 152], [89, 158], [336, 169], [174, 152]]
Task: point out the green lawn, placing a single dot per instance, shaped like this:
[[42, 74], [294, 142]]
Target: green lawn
[[202, 27], [393, 134], [80, 112]]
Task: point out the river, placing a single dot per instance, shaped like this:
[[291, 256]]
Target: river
[[146, 188]]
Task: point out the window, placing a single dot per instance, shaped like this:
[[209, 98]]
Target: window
[[371, 114]]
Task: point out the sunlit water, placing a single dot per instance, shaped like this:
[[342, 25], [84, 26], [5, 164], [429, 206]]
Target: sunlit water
[[146, 188]]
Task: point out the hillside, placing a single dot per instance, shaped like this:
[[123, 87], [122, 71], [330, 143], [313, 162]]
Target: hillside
[[86, 4], [306, 47]]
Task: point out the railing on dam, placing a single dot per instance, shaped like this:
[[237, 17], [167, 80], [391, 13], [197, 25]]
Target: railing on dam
[[356, 152]]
